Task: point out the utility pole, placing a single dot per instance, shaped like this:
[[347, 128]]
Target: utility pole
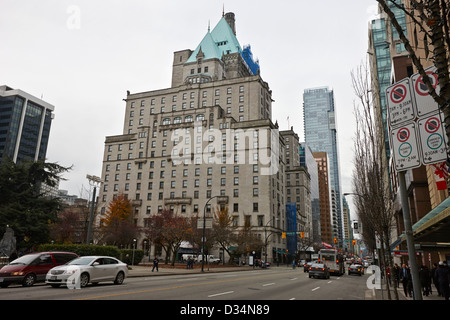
[[409, 237]]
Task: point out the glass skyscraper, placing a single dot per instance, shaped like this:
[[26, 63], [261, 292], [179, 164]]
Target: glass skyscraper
[[321, 136], [24, 125]]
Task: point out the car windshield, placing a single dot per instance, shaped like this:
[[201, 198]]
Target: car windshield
[[25, 260], [81, 261], [317, 265]]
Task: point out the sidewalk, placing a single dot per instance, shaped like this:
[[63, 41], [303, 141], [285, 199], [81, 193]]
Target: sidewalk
[[383, 295], [144, 270]]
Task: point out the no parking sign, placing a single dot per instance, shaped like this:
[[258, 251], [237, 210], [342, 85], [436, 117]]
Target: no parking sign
[[405, 147], [425, 103], [400, 103], [433, 139]]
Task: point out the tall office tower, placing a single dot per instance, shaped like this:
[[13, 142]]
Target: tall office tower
[[321, 136], [206, 141], [387, 55], [326, 223], [24, 125], [307, 161]]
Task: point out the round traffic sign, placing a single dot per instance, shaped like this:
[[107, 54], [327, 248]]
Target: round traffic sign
[[421, 87], [403, 134], [405, 149], [432, 125], [434, 141], [398, 93]]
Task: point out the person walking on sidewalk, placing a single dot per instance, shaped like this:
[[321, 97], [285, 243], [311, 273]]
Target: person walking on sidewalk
[[405, 274], [396, 274], [424, 276], [155, 264], [443, 275], [435, 279]]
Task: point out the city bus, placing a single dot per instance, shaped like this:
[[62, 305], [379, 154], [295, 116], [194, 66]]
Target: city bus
[[333, 259]]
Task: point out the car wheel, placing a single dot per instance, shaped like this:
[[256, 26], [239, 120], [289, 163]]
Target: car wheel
[[29, 280], [84, 280], [119, 278]]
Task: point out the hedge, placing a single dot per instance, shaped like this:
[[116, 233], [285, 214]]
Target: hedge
[[94, 250]]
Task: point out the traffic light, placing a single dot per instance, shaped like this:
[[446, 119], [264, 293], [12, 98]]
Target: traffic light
[[353, 242], [335, 240]]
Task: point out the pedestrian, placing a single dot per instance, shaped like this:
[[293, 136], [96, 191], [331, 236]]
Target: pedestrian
[[127, 259], [397, 275], [155, 264], [434, 278], [443, 275], [424, 276], [404, 279]]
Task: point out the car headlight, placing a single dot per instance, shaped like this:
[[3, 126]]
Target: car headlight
[[17, 273]]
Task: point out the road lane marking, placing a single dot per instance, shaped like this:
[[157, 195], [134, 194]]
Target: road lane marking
[[315, 289], [220, 294], [179, 286], [268, 284]]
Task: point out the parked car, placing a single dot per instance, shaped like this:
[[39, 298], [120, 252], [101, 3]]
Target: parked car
[[209, 258], [32, 268], [91, 269], [356, 268], [319, 270]]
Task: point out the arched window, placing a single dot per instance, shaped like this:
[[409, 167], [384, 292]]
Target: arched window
[[166, 121], [188, 119], [177, 120]]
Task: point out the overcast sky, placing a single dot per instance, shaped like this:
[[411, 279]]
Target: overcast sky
[[82, 57]]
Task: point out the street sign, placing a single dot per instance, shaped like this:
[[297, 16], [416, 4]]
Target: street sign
[[432, 139], [424, 102], [400, 102], [405, 148]]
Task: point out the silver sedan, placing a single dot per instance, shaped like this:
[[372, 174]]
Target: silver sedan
[[79, 272]]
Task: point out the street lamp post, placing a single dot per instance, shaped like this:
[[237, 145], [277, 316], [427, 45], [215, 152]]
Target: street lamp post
[[93, 181], [204, 230]]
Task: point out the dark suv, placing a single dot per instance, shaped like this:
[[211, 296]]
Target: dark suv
[[32, 267]]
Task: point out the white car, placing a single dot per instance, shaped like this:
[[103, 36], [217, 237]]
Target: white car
[[88, 269]]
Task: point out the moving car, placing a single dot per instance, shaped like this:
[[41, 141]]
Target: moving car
[[319, 270], [307, 265], [32, 268], [88, 269], [356, 268]]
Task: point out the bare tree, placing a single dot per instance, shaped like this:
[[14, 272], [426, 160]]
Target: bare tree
[[373, 201], [431, 41]]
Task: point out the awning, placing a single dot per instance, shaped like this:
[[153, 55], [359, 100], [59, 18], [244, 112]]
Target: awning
[[433, 227]]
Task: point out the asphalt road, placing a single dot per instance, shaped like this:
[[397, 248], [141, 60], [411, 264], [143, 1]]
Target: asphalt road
[[271, 284]]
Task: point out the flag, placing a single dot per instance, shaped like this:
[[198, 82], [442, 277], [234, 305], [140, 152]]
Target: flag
[[440, 175]]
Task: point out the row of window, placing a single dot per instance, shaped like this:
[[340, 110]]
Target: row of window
[[185, 95], [184, 183]]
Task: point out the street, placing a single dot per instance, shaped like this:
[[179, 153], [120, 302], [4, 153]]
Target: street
[[270, 284]]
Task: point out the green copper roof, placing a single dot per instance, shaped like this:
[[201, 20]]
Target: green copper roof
[[218, 42]]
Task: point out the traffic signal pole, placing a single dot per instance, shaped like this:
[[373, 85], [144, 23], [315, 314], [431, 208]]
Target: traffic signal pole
[[409, 237]]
